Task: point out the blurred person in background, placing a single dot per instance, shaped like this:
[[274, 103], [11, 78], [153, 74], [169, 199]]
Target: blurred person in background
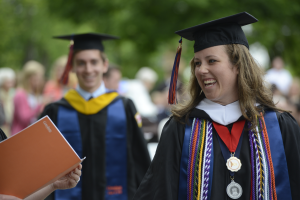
[[294, 92], [112, 77], [7, 92], [294, 99], [28, 100], [279, 76], [138, 90], [160, 99], [147, 76], [99, 124], [54, 90]]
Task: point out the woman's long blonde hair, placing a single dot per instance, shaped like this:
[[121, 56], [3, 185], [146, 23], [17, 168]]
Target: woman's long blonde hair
[[251, 86]]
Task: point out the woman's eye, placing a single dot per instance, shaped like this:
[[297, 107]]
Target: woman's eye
[[212, 61], [197, 63]]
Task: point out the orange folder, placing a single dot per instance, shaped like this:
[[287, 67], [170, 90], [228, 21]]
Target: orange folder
[[34, 158]]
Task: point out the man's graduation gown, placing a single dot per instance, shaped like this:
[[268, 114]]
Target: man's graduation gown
[[161, 181], [92, 129]]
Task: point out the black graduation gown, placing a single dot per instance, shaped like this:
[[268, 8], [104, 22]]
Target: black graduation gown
[[2, 135], [92, 129], [162, 178]]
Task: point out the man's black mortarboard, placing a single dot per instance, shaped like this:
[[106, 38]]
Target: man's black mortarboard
[[87, 40], [82, 42], [222, 31]]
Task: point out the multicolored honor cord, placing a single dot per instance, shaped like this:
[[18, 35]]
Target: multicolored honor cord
[[199, 160]]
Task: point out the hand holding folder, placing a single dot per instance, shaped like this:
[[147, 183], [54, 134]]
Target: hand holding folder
[[34, 158], [70, 180]]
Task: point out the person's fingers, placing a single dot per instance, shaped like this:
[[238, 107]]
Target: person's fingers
[[79, 166], [77, 171], [74, 176], [8, 197]]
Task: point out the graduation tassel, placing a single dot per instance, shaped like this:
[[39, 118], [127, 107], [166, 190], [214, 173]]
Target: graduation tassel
[[173, 83], [65, 76]]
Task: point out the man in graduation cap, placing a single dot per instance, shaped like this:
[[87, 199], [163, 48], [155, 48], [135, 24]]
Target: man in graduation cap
[[229, 141], [100, 125]]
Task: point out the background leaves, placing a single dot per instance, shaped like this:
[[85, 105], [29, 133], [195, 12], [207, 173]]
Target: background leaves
[[146, 28]]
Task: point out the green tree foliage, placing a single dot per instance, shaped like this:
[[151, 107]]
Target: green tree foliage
[[26, 29], [146, 28]]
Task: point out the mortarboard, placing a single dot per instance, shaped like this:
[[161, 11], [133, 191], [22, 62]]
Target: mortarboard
[[87, 40], [222, 31], [82, 42]]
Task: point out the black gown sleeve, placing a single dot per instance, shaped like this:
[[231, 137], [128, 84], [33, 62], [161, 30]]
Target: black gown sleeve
[[138, 147], [291, 139], [2, 135], [161, 179]]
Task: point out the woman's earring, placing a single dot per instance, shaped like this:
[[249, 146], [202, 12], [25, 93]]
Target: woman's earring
[[200, 93]]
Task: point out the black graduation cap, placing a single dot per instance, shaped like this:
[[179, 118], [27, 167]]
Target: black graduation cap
[[87, 40], [222, 31]]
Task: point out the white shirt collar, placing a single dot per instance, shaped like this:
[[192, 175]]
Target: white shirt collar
[[221, 114], [86, 95]]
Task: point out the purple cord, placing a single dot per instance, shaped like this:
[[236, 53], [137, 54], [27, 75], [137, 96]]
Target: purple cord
[[252, 162], [207, 161], [257, 167]]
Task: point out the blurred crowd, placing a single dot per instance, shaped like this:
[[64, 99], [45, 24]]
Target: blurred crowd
[[24, 94]]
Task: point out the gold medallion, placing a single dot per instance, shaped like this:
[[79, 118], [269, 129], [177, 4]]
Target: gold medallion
[[234, 164]]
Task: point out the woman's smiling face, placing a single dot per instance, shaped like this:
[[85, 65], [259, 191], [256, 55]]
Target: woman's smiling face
[[216, 75]]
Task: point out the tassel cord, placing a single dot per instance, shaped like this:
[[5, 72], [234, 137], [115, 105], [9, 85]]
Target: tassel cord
[[274, 195], [173, 82]]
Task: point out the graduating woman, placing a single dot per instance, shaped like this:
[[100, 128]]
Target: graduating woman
[[229, 141]]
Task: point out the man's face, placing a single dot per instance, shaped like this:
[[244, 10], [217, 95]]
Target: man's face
[[89, 68]]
